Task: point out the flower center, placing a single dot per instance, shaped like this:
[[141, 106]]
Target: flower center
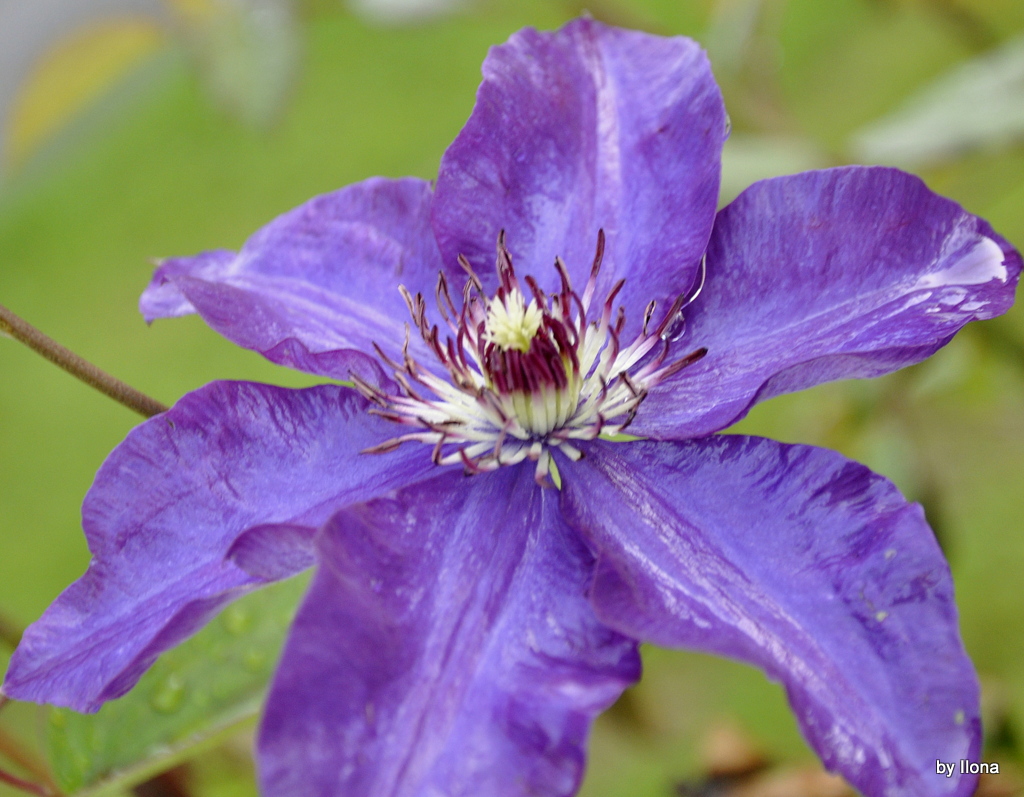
[[524, 376], [511, 323]]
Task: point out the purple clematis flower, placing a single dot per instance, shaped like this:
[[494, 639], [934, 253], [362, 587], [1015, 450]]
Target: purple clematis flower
[[460, 634]]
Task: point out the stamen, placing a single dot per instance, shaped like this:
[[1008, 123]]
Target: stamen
[[525, 375], [595, 269], [674, 324]]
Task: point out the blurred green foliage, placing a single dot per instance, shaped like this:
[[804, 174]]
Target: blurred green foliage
[[192, 698], [154, 168]]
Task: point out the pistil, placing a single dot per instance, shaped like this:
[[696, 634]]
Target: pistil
[[525, 376]]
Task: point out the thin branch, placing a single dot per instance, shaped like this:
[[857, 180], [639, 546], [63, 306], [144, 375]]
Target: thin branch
[[76, 366], [172, 783], [971, 26], [10, 635], [13, 751], [613, 13], [997, 335], [40, 789]]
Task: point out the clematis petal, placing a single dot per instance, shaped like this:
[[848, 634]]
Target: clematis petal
[[165, 509], [849, 272], [318, 284], [446, 646], [805, 564], [585, 128]]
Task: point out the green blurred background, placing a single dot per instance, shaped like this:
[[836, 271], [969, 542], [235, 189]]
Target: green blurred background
[[151, 133]]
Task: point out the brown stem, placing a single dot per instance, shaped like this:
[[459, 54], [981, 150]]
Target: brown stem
[[613, 13], [173, 783], [10, 635], [26, 785], [76, 366], [13, 751], [971, 26], [997, 335]]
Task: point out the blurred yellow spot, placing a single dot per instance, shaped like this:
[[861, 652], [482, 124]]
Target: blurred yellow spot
[[194, 10], [511, 323], [72, 74]]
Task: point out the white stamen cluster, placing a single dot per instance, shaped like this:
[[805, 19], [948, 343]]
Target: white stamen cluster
[[511, 323], [524, 377]]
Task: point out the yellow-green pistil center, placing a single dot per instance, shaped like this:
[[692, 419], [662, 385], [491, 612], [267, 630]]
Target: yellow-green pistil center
[[524, 377], [512, 323]]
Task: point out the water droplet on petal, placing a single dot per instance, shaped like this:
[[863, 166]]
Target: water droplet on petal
[[254, 661], [236, 619], [675, 328], [221, 652], [728, 125], [169, 695], [223, 690]]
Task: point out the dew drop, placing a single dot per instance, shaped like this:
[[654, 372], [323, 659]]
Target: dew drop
[[255, 661], [236, 619], [890, 554], [675, 328], [169, 695], [221, 652], [728, 125], [223, 690], [881, 615], [959, 717]]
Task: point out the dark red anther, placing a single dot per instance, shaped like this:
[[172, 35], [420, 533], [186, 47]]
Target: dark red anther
[[610, 301], [383, 448], [648, 314], [677, 305], [563, 273], [474, 280], [689, 359], [538, 294], [598, 255]]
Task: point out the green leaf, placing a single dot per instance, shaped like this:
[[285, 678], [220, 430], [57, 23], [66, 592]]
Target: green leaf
[[977, 105], [193, 697], [395, 12], [247, 53], [748, 158]]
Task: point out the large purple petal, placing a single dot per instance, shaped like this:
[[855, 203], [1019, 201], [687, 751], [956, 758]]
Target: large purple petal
[[805, 564], [446, 646], [165, 509], [586, 128], [318, 285], [849, 272]]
